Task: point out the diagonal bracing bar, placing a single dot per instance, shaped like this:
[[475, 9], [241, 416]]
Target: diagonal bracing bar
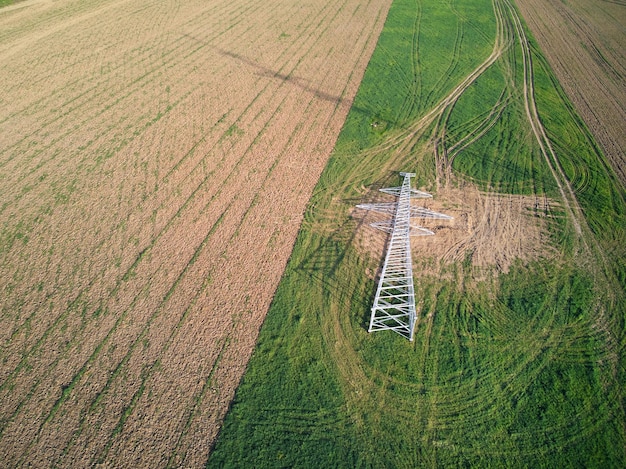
[[394, 303], [416, 212]]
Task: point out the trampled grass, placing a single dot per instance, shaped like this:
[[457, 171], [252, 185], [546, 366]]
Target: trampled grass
[[516, 368]]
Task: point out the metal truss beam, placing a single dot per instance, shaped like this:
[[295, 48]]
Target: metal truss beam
[[387, 227], [394, 303], [415, 194], [416, 212]]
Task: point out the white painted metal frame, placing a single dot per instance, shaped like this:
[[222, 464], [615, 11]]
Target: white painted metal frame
[[394, 303]]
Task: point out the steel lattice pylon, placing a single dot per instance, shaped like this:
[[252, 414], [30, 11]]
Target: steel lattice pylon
[[394, 303]]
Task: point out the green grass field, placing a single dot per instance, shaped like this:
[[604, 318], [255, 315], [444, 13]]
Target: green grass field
[[522, 368], [4, 3]]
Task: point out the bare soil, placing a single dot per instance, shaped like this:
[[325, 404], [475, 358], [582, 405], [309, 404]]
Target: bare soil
[[155, 161]]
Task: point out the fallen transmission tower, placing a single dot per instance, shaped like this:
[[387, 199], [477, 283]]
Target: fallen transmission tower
[[394, 303]]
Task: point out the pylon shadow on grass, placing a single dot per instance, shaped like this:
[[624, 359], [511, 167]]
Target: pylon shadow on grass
[[323, 263]]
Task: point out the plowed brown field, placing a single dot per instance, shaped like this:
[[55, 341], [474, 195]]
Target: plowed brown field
[[155, 161], [585, 43]]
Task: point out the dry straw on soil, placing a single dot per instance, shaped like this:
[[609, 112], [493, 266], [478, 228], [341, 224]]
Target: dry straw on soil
[[490, 230], [155, 161]]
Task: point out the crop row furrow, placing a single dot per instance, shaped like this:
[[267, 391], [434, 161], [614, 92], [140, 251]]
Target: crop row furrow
[[163, 202]]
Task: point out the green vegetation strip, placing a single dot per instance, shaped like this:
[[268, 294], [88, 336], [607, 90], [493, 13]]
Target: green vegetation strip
[[4, 3], [517, 369]]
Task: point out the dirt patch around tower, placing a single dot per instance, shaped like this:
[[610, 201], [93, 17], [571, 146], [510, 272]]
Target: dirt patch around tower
[[488, 229]]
